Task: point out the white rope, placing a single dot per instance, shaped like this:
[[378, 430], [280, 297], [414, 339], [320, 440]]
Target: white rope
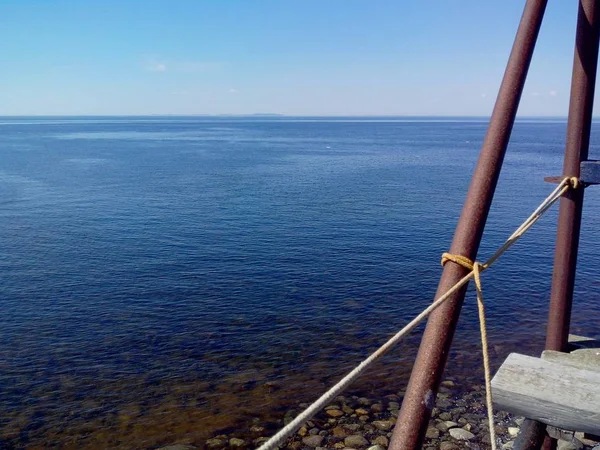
[[341, 385]]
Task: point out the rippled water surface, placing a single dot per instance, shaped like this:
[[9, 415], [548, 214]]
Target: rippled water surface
[[162, 279]]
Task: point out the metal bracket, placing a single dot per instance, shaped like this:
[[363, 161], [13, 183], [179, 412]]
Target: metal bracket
[[589, 174]]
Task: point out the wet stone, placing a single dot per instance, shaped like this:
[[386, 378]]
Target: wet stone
[[347, 409], [376, 447], [339, 432], [237, 443], [361, 411], [295, 445], [302, 431], [377, 407], [445, 445], [356, 441], [432, 433], [382, 441], [215, 444], [364, 401], [364, 418], [460, 434], [513, 431], [334, 413], [383, 425], [393, 405], [312, 441], [313, 431], [445, 416]]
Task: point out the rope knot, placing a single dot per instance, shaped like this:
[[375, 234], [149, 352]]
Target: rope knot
[[458, 259], [573, 182]]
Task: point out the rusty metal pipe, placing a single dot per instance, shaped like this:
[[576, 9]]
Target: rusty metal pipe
[[578, 140], [581, 104], [437, 338]]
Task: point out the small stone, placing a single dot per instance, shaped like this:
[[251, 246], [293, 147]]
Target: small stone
[[323, 433], [467, 427], [376, 447], [339, 445], [356, 441], [260, 441], [237, 443], [296, 445], [361, 411], [444, 445], [303, 431], [460, 434], [566, 445], [257, 429], [364, 401], [313, 431], [445, 426], [393, 405], [352, 426], [334, 413], [597, 447], [519, 420], [382, 441], [462, 421], [312, 441], [432, 433], [339, 432], [363, 418], [383, 425], [328, 407], [513, 431], [508, 445], [445, 416], [215, 444], [448, 383], [377, 407], [347, 409]]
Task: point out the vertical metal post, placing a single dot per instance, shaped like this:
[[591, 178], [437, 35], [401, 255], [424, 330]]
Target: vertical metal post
[[581, 104], [578, 139], [433, 352]]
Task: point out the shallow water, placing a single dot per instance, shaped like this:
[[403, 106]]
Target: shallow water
[[165, 278]]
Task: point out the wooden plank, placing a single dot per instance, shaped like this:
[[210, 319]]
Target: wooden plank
[[562, 396], [586, 358], [577, 342], [590, 172]]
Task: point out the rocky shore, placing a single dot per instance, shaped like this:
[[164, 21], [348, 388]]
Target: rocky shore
[[458, 421]]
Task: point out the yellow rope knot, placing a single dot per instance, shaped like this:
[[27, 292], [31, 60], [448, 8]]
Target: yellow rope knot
[[574, 182]]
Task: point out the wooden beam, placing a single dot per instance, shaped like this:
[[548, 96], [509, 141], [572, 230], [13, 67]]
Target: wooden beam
[[559, 395], [590, 172]]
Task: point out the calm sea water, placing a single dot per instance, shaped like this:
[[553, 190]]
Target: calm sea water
[[162, 279]]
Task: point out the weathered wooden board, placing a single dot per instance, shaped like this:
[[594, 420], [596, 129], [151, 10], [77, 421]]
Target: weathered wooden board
[[555, 394], [585, 358], [577, 342], [590, 172]]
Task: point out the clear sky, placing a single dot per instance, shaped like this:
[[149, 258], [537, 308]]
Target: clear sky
[[304, 57]]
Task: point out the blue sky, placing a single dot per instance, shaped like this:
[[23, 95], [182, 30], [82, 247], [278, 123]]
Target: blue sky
[[304, 57]]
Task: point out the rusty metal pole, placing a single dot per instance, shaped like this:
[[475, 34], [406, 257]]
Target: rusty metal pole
[[437, 338], [578, 140], [581, 104]]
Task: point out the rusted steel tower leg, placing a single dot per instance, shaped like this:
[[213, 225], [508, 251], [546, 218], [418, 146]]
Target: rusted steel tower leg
[[569, 219], [433, 352]]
